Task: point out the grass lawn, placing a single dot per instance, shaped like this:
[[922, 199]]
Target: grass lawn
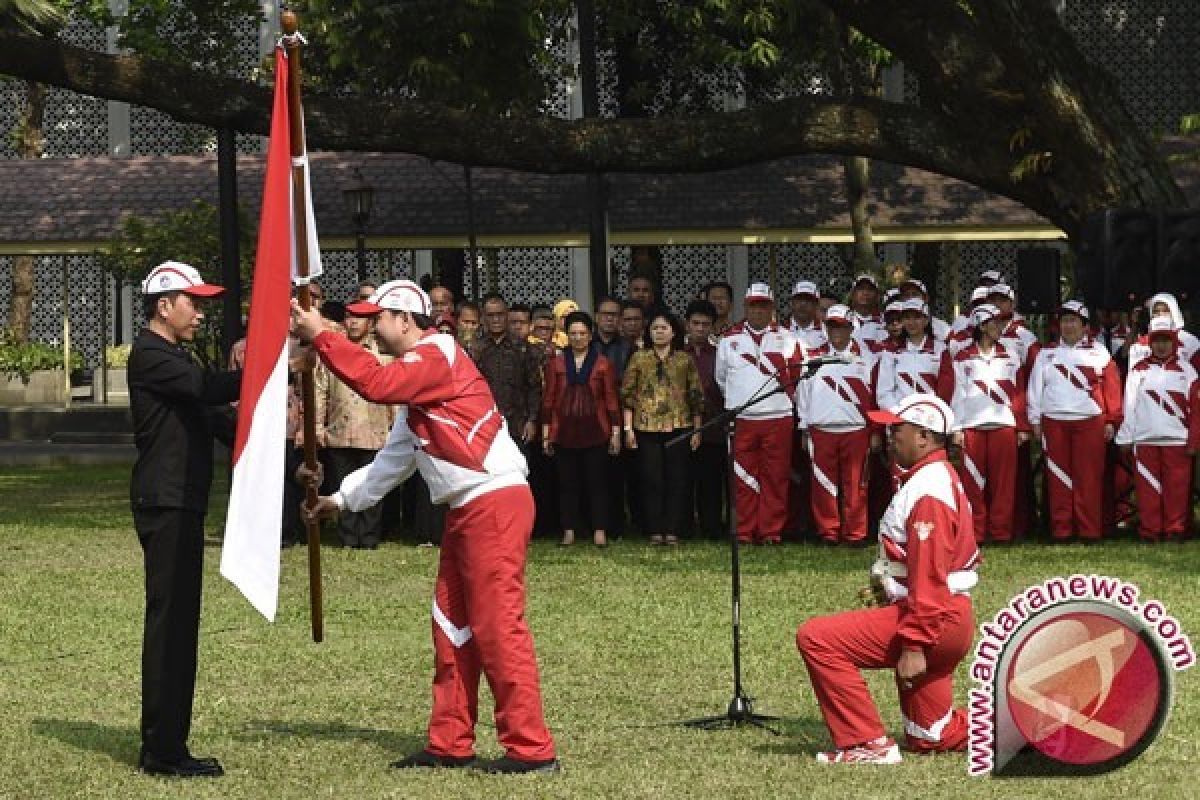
[[630, 639]]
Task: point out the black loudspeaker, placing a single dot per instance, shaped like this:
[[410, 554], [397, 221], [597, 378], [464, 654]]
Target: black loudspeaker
[[1037, 280], [1126, 255], [1179, 255]]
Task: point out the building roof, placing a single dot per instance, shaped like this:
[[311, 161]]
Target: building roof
[[85, 199]]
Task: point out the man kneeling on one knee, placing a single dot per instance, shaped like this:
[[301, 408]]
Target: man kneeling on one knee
[[926, 567]]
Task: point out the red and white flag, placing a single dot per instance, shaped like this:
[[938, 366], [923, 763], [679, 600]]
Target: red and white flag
[[250, 555]]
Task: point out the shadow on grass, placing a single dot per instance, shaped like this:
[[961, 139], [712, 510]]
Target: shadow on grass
[[798, 737], [118, 743], [392, 741]]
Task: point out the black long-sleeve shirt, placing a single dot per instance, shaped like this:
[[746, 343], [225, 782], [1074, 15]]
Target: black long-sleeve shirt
[[171, 399]]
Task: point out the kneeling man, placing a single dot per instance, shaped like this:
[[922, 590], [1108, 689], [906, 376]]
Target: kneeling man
[[926, 567]]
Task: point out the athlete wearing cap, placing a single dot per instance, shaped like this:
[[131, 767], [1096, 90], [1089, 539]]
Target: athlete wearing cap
[[1161, 431], [804, 322], [919, 362], [448, 427], [926, 565], [831, 413], [170, 398], [989, 406], [913, 288], [866, 314], [757, 358], [962, 329], [1187, 348], [1074, 405]]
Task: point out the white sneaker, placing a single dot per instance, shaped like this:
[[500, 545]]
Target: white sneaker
[[883, 750]]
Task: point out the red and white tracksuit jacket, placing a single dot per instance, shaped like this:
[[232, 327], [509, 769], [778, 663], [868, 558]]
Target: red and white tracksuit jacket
[[989, 409], [1073, 392], [1162, 423], [809, 336], [1019, 340], [927, 564], [960, 336], [909, 368], [831, 408], [752, 364], [448, 427], [870, 332]]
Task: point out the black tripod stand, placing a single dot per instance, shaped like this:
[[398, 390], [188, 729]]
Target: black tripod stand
[[741, 707]]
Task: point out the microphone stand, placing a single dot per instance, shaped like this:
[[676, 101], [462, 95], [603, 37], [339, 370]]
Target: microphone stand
[[741, 708]]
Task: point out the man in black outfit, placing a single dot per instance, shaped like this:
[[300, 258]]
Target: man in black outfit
[[171, 399]]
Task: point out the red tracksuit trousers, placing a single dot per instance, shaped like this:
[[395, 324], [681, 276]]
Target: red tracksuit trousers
[[836, 647], [1074, 450], [839, 483], [1164, 489], [989, 479], [479, 625], [762, 457]]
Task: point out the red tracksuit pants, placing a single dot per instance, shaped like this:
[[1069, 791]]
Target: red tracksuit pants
[[479, 625], [762, 457], [1074, 450], [836, 647], [989, 479], [839, 483], [1164, 489]]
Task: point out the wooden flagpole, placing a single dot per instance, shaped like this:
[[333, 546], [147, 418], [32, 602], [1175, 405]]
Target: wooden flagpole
[[292, 43]]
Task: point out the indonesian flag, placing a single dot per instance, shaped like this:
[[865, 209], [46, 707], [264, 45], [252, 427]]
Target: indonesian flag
[[250, 555]]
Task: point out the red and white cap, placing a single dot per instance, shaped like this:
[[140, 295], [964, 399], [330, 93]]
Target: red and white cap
[[993, 276], [759, 293], [914, 304], [175, 276], [979, 294], [865, 277], [402, 295], [1161, 326], [921, 409], [838, 315], [920, 284], [1002, 289], [983, 313], [1074, 307], [895, 307], [806, 288]]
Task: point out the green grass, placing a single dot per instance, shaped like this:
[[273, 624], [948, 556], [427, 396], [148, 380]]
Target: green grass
[[630, 640]]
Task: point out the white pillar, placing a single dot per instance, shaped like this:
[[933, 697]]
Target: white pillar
[[422, 264], [119, 136], [738, 273], [581, 277]]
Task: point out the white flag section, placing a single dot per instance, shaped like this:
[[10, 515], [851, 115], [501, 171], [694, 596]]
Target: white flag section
[[250, 555], [314, 247]]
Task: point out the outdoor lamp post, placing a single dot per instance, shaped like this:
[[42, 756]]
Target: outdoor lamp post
[[359, 196]]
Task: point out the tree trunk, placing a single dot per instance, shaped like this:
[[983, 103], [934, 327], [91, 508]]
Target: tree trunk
[[857, 172], [31, 143]]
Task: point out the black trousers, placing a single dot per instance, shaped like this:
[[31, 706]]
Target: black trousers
[[355, 528], [710, 485], [664, 473], [173, 547], [583, 473], [543, 482]]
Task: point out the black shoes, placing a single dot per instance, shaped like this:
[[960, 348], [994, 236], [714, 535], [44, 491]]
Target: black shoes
[[186, 767], [514, 766], [428, 760]]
